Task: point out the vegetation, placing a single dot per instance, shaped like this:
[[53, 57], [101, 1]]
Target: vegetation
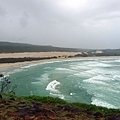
[[5, 85], [59, 101], [14, 60], [36, 107], [48, 108], [93, 53], [7, 47]]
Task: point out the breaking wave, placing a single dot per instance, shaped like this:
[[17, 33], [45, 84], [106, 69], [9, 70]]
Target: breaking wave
[[94, 81], [103, 104]]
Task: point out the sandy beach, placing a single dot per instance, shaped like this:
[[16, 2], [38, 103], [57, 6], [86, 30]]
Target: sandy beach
[[60, 55], [37, 54]]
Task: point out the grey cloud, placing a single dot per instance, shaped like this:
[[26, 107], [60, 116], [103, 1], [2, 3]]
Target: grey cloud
[[24, 19], [2, 11], [45, 22]]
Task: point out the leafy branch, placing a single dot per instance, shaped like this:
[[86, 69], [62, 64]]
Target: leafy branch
[[6, 86]]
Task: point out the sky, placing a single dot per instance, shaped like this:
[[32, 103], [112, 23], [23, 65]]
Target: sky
[[93, 24]]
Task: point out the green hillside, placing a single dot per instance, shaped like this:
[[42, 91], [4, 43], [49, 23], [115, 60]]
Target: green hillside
[[7, 47]]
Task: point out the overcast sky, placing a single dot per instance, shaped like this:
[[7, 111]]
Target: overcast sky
[[64, 23]]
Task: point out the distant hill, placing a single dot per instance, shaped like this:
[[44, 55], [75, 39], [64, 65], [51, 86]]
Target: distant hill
[[8, 47]]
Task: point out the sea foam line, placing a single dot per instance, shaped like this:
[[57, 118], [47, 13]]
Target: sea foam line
[[28, 66]]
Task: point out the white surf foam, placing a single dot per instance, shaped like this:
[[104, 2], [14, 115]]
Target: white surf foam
[[99, 65], [28, 66], [94, 71], [102, 103], [116, 77], [88, 73], [96, 82], [41, 80], [47, 68], [44, 76], [101, 71], [31, 92], [13, 71], [64, 70], [117, 60], [99, 79], [41, 63], [2, 78], [71, 94], [37, 83], [52, 86], [83, 74], [49, 62], [58, 95], [78, 67], [112, 90]]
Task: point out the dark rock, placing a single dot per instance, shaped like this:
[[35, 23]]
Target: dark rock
[[48, 113], [20, 112], [38, 107], [56, 109], [1, 75], [98, 114], [70, 115], [12, 99], [1, 105], [21, 102], [112, 117], [17, 114], [67, 108], [59, 108], [7, 103], [75, 110], [2, 101], [88, 112], [0, 96]]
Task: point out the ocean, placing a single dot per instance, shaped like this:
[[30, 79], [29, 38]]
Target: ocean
[[92, 81]]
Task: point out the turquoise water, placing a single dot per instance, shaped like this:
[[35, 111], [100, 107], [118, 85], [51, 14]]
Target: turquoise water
[[94, 81]]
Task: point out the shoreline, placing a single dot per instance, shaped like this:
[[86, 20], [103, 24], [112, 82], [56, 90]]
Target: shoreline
[[64, 56], [59, 55], [4, 66]]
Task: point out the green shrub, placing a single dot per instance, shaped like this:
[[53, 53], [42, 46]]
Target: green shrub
[[5, 85], [46, 99]]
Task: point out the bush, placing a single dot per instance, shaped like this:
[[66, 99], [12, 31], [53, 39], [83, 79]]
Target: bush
[[46, 99], [5, 85]]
